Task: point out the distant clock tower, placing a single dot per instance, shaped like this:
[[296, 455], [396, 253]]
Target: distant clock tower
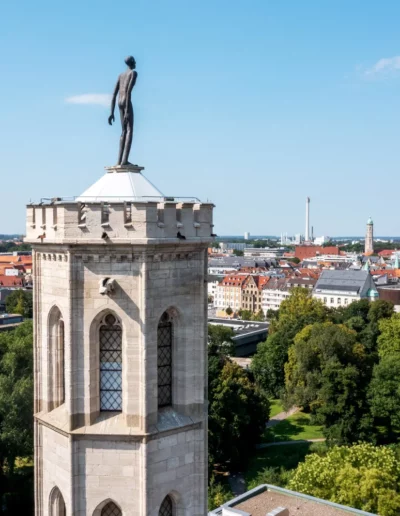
[[369, 238]]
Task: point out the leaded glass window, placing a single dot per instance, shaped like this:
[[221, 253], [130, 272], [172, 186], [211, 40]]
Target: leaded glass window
[[166, 507], [111, 510], [164, 361], [110, 364]]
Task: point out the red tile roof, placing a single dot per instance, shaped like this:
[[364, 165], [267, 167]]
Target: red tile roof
[[11, 281]]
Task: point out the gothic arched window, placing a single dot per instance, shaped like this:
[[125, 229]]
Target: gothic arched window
[[56, 394], [167, 507], [111, 510], [110, 364], [164, 361], [57, 504]]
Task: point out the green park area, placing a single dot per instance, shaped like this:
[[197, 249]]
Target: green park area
[[275, 408], [295, 428]]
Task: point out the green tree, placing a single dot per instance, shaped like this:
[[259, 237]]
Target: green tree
[[268, 363], [384, 394], [389, 338], [259, 316], [218, 493], [325, 374], [379, 310], [362, 476], [20, 302], [272, 314], [357, 309], [297, 311], [220, 340], [229, 311], [246, 315], [237, 416], [16, 411]]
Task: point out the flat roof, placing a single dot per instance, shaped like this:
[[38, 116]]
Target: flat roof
[[240, 327], [267, 501], [266, 498]]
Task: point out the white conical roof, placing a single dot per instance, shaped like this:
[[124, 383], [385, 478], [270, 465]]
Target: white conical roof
[[121, 184]]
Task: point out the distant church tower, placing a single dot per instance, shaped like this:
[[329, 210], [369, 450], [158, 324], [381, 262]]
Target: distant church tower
[[120, 350], [369, 238]]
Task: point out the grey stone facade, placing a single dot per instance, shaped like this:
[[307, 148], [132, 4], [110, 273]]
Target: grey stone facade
[[85, 457]]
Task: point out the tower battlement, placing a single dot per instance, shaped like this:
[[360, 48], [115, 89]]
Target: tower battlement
[[123, 222]]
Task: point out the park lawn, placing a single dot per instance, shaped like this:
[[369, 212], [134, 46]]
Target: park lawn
[[285, 456], [275, 408], [296, 427]]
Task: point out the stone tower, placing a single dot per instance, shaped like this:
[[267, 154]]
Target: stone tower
[[120, 350], [369, 237]]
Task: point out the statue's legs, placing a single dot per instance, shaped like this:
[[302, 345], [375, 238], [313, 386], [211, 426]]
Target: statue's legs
[[123, 136], [128, 137]]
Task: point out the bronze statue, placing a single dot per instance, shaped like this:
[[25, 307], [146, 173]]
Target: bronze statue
[[125, 83]]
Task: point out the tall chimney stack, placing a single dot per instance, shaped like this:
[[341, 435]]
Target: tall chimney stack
[[307, 235]]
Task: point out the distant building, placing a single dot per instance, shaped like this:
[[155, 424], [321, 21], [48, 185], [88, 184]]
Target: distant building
[[252, 291], [297, 239], [247, 334], [263, 252], [309, 251], [321, 240], [228, 292], [247, 235], [342, 287], [10, 321], [278, 289], [369, 238], [237, 246], [4, 293]]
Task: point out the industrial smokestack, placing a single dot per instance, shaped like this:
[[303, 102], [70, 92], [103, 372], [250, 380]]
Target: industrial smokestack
[[307, 235]]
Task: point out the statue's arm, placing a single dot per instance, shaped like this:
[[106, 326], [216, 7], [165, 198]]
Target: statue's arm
[[113, 101]]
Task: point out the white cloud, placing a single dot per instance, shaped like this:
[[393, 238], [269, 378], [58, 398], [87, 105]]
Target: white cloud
[[99, 99], [384, 66]]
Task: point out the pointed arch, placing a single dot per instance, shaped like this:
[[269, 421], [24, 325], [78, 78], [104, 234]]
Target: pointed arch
[[108, 508], [56, 503], [167, 507], [56, 359]]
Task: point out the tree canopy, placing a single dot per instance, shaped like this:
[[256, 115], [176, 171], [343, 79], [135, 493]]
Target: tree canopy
[[238, 412], [363, 476], [20, 302], [16, 418], [325, 374]]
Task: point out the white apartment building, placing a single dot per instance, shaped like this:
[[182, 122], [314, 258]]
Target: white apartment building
[[229, 292], [340, 288], [277, 290]]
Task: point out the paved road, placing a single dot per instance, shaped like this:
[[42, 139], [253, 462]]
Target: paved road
[[281, 416]]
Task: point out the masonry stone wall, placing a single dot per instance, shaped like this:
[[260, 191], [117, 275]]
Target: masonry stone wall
[[175, 467], [109, 470], [56, 467]]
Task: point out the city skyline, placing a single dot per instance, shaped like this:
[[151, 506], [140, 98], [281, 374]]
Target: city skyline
[[254, 106]]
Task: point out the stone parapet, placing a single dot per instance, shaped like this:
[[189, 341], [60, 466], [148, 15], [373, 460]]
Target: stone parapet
[[69, 222]]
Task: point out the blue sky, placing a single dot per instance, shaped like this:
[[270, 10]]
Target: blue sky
[[253, 105]]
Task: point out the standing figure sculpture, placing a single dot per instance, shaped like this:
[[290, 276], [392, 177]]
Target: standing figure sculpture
[[125, 83]]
